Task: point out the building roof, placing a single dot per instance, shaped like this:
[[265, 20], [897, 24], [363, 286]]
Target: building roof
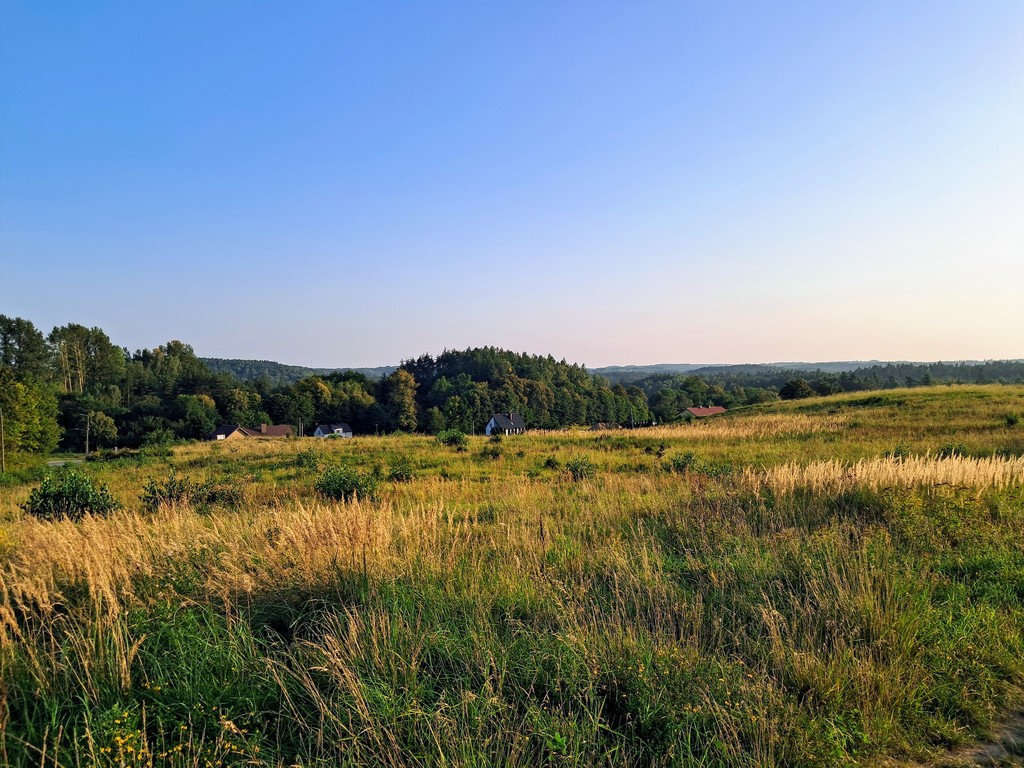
[[265, 430], [334, 427], [511, 420], [711, 411], [271, 430]]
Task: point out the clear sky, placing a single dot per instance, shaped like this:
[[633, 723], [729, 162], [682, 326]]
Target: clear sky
[[341, 184]]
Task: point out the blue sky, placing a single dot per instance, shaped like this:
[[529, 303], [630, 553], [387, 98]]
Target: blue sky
[[352, 184]]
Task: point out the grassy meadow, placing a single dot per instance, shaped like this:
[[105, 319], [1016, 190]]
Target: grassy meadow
[[827, 582]]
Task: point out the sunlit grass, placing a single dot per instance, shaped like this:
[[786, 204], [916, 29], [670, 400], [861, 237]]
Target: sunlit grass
[[829, 582]]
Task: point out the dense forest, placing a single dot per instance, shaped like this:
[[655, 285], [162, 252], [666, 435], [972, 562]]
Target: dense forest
[[75, 386]]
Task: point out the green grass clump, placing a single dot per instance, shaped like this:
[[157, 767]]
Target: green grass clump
[[580, 468]]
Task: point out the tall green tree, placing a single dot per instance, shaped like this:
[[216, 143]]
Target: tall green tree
[[797, 389], [401, 400], [30, 414], [85, 356], [23, 349]]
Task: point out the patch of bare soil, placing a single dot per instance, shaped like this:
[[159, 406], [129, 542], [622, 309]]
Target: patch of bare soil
[[1005, 749]]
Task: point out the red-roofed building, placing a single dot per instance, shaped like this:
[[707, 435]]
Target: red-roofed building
[[701, 412]]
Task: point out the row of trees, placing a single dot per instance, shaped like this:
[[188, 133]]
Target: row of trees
[[74, 385], [731, 386]]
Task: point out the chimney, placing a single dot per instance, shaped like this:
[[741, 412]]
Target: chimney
[[263, 429]]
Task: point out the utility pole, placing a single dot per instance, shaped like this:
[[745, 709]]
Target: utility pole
[[3, 448], [88, 417]]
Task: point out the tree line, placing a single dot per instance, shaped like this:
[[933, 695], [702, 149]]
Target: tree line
[[730, 386], [75, 385]]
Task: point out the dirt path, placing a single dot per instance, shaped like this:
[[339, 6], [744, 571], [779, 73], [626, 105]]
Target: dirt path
[[1006, 748]]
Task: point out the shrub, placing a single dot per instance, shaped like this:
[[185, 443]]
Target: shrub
[[552, 462], [683, 462], [400, 470], [495, 437], [68, 493], [901, 452], [580, 468], [491, 452], [452, 438], [345, 484], [1012, 419], [949, 450]]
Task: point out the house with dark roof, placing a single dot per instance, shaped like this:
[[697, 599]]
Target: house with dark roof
[[699, 413], [236, 431], [333, 430], [511, 423]]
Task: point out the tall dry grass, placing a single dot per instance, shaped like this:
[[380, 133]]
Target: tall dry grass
[[494, 612], [890, 472]]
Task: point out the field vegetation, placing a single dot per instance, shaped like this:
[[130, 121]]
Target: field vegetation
[[827, 581]]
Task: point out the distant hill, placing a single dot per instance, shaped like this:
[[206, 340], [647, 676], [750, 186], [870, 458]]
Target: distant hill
[[282, 374], [628, 373], [279, 373]]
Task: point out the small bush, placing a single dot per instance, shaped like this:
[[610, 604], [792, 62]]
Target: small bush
[[952, 449], [495, 437], [683, 462], [552, 462], [400, 470], [491, 452], [580, 468], [68, 493], [1012, 419], [453, 438], [901, 452], [346, 484]]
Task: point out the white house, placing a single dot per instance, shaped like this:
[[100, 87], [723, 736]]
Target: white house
[[506, 424], [333, 430]]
